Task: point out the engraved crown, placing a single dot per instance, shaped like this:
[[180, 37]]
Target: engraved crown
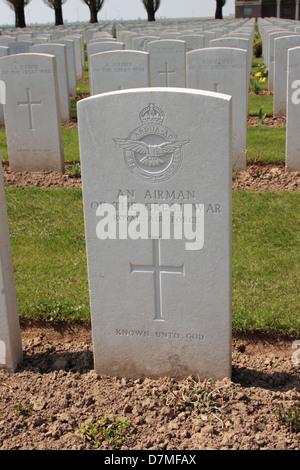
[[152, 115]]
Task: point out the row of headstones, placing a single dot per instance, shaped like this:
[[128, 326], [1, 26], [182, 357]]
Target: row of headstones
[[37, 72], [38, 75], [222, 68], [172, 313], [74, 52], [126, 69], [186, 139], [281, 49]]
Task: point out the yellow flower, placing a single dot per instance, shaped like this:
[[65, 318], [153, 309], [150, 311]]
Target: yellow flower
[[258, 74], [246, 151], [78, 89], [263, 79]]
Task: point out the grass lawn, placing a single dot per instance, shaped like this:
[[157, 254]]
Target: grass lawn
[[70, 143], [266, 143], [257, 101], [48, 245], [49, 255]]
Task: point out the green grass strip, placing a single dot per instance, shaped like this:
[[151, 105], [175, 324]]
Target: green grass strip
[[48, 244]]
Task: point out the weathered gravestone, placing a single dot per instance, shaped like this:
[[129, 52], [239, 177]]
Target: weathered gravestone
[[156, 171], [10, 335], [224, 70], [32, 112], [167, 63], [118, 70], [292, 162]]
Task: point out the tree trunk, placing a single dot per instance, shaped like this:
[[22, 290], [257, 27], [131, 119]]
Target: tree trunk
[[58, 16], [20, 16], [219, 10], [93, 12], [151, 14]]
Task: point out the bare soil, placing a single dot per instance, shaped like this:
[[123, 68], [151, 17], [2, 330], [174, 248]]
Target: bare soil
[[57, 378], [56, 390], [259, 176]]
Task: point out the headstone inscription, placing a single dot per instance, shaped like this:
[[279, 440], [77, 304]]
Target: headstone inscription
[[118, 70], [156, 172]]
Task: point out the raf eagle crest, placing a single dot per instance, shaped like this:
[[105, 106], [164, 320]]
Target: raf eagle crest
[[152, 151]]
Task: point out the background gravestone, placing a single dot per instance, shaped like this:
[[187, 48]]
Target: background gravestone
[[32, 112], [224, 70], [59, 51], [167, 63], [118, 70]]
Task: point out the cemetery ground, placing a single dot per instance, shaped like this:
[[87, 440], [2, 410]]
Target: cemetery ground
[[55, 400]]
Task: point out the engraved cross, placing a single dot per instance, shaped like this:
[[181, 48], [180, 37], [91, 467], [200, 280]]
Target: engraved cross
[[29, 105], [157, 270], [166, 72]]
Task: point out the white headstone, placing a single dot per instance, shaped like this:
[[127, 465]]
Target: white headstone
[[193, 41], [59, 51], [271, 58], [10, 336], [293, 114], [160, 301], [32, 112], [281, 47], [239, 43], [70, 63], [140, 43], [4, 51], [167, 63], [96, 47], [79, 55], [118, 70], [224, 70], [19, 47]]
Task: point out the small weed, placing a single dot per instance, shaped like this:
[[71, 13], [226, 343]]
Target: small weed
[[74, 170], [113, 432], [261, 115], [200, 397], [255, 85], [55, 311], [26, 412], [289, 416]]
